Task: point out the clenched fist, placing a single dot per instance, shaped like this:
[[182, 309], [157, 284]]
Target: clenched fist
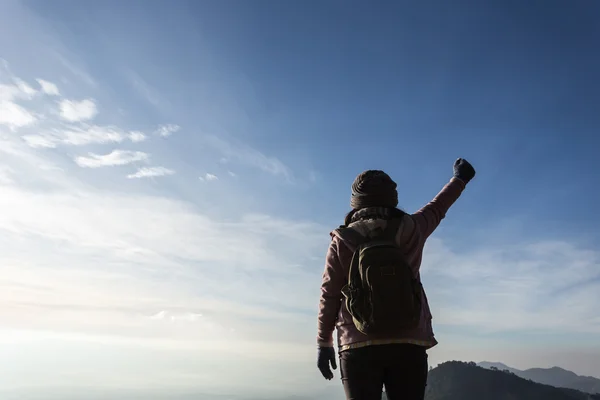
[[463, 170]]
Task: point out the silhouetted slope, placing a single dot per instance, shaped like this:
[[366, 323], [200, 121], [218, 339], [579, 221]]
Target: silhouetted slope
[[554, 376], [456, 380], [560, 377]]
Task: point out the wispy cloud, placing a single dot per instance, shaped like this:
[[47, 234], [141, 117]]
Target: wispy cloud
[[12, 114], [25, 88], [209, 177], [48, 88], [9, 92], [15, 116], [82, 135], [136, 136], [167, 130], [174, 316], [233, 150], [144, 89], [150, 172], [114, 158], [519, 288], [75, 69], [73, 110]]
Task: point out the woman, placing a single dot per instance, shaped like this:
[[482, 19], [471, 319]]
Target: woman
[[399, 361]]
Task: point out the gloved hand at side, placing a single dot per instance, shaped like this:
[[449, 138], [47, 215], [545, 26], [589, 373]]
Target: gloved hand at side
[[326, 356]]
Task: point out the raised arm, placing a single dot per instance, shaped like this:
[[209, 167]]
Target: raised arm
[[429, 217]]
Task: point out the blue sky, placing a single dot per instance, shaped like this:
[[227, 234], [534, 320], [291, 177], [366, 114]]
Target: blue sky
[[171, 171]]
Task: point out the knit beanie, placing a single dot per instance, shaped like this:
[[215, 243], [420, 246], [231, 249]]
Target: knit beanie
[[373, 188]]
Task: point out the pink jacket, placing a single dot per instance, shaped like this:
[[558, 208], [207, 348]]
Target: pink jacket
[[414, 231]]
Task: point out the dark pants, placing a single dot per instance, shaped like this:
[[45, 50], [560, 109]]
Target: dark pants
[[402, 368]]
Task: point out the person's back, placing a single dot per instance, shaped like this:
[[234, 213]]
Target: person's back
[[397, 360]]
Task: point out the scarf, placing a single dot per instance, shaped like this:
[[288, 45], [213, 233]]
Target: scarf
[[376, 213]]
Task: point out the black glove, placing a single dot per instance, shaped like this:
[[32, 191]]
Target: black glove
[[326, 355], [463, 170]]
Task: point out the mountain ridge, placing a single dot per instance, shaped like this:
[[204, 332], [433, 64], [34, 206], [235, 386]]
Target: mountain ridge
[[457, 380], [554, 376]]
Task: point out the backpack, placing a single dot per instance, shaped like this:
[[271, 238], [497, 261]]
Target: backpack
[[382, 294]]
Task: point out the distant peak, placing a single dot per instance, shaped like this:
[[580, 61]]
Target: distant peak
[[489, 364]]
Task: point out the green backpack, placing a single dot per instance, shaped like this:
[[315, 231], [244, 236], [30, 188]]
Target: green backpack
[[382, 294]]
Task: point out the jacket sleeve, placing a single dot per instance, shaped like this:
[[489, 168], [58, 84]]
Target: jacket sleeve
[[331, 296], [429, 217]]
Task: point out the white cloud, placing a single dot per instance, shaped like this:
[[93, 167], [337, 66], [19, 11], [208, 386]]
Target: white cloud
[[232, 174], [175, 316], [80, 136], [189, 317], [114, 158], [9, 92], [15, 116], [209, 177], [25, 89], [150, 172], [13, 87], [167, 130], [12, 114], [159, 315], [48, 88], [18, 158], [137, 136], [73, 111]]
